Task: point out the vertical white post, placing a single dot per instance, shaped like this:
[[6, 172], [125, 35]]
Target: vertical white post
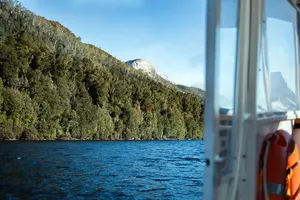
[[297, 70], [248, 171], [211, 96]]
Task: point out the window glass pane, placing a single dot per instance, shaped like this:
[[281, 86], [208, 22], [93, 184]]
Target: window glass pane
[[261, 92], [227, 63], [281, 53], [228, 53]]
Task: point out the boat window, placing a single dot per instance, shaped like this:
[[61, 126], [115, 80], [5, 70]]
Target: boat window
[[277, 70], [262, 95], [228, 54], [227, 64]]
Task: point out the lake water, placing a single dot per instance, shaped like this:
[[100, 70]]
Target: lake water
[[102, 170]]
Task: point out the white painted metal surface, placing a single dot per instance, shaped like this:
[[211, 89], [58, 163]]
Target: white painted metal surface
[[233, 143]]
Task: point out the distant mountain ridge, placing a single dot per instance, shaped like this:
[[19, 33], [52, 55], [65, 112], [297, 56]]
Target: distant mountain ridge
[[147, 68], [194, 90]]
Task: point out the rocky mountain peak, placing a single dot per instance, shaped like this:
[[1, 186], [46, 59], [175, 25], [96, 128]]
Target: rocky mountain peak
[[142, 65], [146, 67]]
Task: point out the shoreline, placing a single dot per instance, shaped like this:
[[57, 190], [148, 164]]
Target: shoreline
[[81, 140]]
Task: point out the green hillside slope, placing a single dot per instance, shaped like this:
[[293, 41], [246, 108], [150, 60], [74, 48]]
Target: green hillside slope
[[53, 86]]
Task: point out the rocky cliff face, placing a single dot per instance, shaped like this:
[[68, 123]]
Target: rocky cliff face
[[147, 67], [143, 66]]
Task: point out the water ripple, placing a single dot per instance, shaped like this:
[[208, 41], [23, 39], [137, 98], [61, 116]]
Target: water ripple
[[101, 170]]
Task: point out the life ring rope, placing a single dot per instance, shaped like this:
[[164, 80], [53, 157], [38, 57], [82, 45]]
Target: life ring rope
[[265, 163], [290, 189]]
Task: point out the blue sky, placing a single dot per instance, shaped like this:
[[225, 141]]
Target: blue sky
[[168, 33]]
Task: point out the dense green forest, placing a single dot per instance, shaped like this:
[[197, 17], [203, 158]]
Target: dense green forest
[[53, 86]]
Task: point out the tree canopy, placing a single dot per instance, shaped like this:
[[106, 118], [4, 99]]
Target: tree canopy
[[53, 86]]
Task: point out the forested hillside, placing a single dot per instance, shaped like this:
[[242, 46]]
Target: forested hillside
[[197, 91], [53, 86]]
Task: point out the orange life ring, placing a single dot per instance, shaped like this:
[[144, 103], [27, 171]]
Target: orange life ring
[[278, 170]]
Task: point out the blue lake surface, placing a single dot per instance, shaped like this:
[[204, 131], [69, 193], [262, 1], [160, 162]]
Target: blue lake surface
[[102, 170]]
